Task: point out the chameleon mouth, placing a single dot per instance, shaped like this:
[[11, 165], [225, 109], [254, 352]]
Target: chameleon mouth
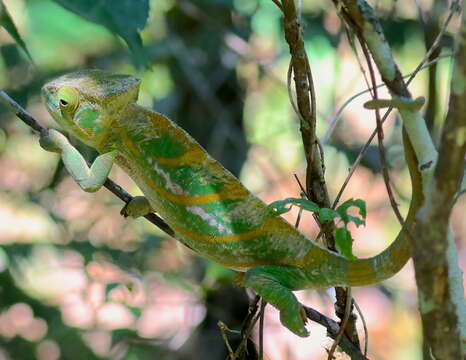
[[48, 94]]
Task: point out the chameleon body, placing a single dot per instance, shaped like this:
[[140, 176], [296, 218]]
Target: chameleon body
[[207, 207]]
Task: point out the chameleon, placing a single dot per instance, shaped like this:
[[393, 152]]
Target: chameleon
[[208, 208]]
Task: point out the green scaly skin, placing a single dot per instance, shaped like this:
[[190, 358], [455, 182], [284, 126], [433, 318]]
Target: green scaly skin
[[207, 207]]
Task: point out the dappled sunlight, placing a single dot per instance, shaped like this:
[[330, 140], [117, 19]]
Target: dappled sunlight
[[48, 350], [19, 320], [80, 281]]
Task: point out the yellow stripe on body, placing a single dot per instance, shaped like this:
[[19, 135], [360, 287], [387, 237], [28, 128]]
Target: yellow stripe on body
[[231, 191], [189, 200], [193, 156], [261, 230], [220, 238], [245, 266]]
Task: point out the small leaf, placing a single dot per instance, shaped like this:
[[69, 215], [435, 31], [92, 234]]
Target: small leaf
[[7, 23], [344, 242], [326, 214], [356, 220], [283, 206], [343, 211]]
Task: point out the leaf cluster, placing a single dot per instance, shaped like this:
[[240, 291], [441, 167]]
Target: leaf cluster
[[343, 237]]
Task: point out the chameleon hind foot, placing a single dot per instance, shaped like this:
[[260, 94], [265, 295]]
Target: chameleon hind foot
[[138, 206], [273, 283]]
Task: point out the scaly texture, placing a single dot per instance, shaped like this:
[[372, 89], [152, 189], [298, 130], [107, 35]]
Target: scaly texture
[[207, 207]]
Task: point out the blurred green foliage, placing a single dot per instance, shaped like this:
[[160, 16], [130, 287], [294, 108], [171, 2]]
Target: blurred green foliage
[[217, 68], [7, 23], [124, 18]]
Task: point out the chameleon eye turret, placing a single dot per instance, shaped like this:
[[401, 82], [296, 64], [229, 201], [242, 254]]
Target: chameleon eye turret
[[68, 101]]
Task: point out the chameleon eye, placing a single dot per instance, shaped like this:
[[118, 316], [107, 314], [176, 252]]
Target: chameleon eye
[[68, 98]]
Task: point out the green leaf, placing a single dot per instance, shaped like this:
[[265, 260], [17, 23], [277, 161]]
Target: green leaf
[[343, 211], [326, 214], [344, 242], [283, 206], [122, 17], [358, 221], [7, 23]]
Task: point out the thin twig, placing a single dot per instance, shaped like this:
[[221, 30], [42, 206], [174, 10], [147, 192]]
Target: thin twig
[[380, 136], [290, 92], [316, 188], [21, 113], [344, 322], [113, 187], [371, 137], [454, 8], [278, 3], [223, 328], [334, 121], [421, 65], [364, 325], [332, 330], [300, 185], [261, 329], [247, 327]]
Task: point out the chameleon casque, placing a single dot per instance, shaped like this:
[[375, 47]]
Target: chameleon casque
[[209, 210]]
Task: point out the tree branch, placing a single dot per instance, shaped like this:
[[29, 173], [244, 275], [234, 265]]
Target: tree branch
[[332, 331], [360, 17], [113, 187], [332, 326], [441, 294], [316, 188], [439, 279]]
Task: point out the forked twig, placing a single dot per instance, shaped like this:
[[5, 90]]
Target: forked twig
[[423, 64], [334, 120]]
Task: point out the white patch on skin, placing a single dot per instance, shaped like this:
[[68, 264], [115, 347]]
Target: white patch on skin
[[170, 185], [250, 209], [210, 218]]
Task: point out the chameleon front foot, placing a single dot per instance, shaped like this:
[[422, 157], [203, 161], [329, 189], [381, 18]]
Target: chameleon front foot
[[137, 207]]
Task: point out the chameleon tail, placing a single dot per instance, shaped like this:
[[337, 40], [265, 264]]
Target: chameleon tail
[[382, 266], [391, 260]]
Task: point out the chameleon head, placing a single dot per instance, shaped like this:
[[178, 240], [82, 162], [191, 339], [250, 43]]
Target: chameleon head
[[86, 102]]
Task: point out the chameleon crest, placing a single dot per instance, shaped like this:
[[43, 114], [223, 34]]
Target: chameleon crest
[[207, 207]]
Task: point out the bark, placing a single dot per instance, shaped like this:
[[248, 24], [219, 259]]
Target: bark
[[439, 279], [316, 188]]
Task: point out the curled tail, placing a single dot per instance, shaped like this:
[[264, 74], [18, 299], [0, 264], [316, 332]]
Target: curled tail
[[382, 266], [386, 264]]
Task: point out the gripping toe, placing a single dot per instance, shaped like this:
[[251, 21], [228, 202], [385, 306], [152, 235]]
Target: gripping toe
[[138, 206], [293, 320]]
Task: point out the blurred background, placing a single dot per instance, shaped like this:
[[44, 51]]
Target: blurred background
[[77, 281]]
